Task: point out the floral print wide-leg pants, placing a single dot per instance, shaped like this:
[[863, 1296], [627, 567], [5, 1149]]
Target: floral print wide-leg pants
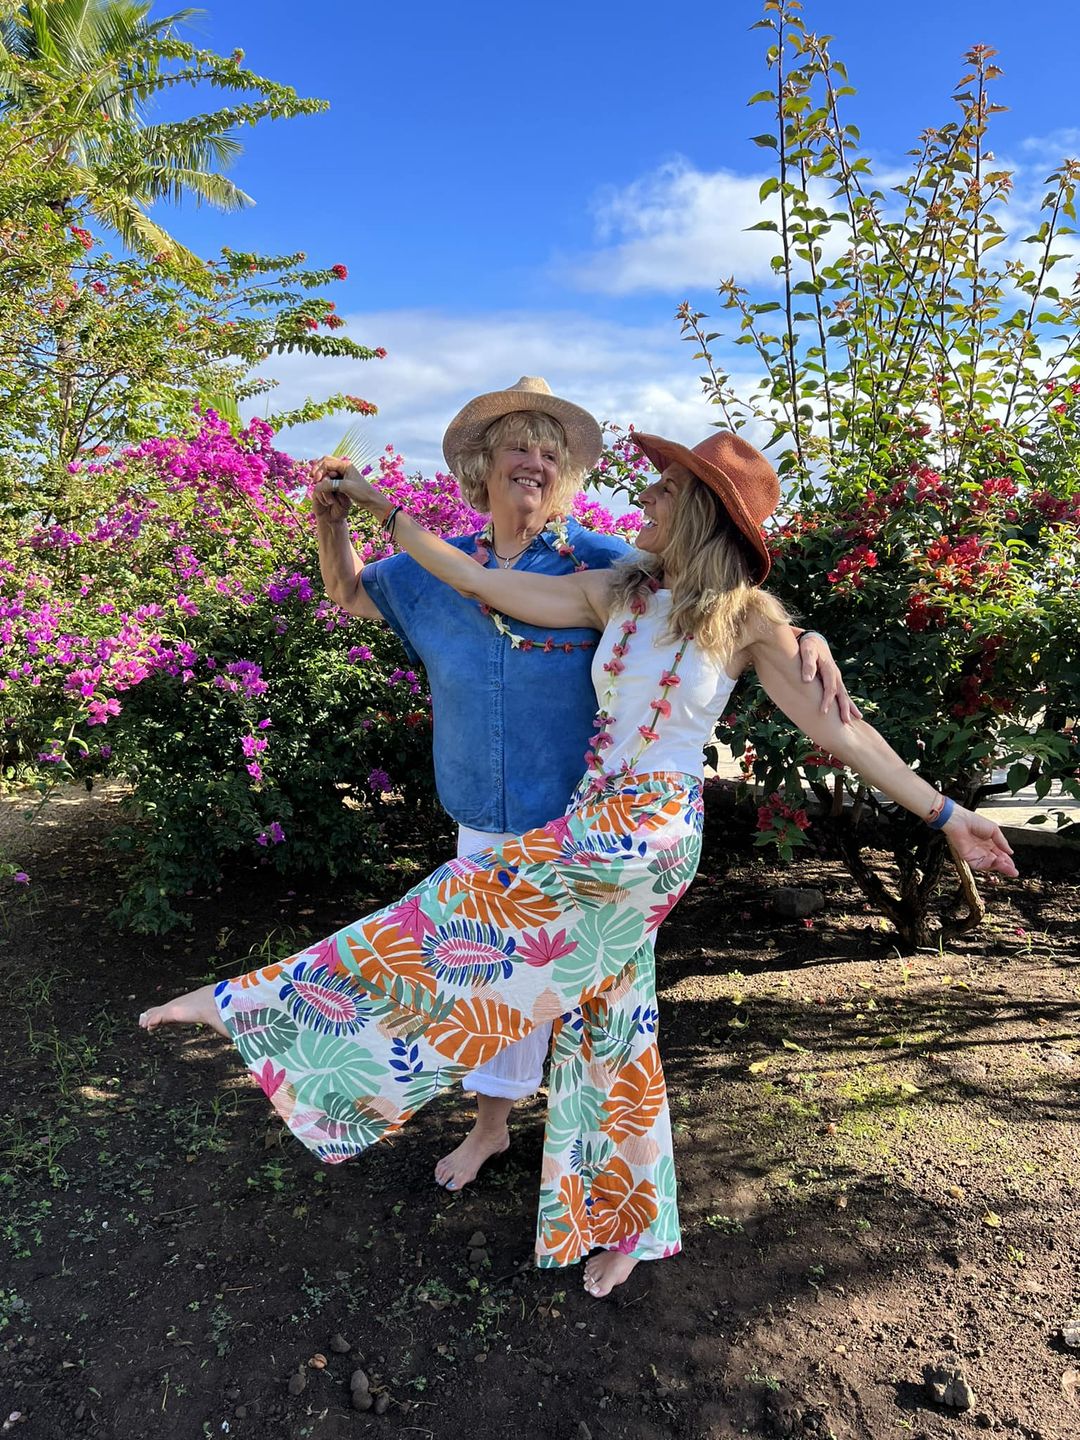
[[352, 1035]]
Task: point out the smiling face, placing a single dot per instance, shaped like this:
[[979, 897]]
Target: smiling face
[[521, 478], [659, 502]]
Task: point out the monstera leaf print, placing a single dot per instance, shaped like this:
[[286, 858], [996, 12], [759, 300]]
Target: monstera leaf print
[[323, 1063], [636, 1098], [606, 940], [665, 1227], [675, 865], [501, 897], [383, 952], [262, 1034], [565, 1233], [619, 1207], [476, 1031]]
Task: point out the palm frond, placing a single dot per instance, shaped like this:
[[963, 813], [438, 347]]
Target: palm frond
[[357, 446]]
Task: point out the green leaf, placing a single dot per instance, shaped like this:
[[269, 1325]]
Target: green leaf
[[262, 1034]]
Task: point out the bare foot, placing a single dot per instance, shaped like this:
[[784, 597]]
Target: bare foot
[[606, 1270], [197, 1007], [463, 1164]]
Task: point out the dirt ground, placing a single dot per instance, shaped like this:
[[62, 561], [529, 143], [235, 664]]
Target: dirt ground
[[878, 1162]]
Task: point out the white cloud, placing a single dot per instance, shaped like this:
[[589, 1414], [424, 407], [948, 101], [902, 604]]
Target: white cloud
[[675, 230], [631, 374]]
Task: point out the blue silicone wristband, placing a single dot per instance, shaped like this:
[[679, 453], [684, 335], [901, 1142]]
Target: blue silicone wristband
[[939, 821]]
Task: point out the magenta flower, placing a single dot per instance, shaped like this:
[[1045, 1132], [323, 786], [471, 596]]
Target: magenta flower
[[541, 949], [98, 711], [255, 771], [378, 782], [21, 877]]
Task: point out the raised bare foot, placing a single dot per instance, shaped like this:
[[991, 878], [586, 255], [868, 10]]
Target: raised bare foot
[[197, 1007], [606, 1270], [463, 1164]]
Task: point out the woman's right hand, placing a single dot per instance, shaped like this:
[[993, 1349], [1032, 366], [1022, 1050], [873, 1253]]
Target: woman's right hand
[[979, 841]]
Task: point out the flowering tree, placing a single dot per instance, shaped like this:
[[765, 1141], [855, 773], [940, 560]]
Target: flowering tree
[[101, 350], [180, 638], [922, 369]]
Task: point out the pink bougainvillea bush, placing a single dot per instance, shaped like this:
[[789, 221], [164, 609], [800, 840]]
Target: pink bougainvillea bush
[[179, 638]]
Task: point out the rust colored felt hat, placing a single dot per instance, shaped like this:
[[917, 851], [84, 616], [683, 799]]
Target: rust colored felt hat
[[584, 438], [733, 470]]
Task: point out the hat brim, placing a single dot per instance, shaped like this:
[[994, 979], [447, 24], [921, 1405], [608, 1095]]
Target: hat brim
[[663, 453], [584, 438]]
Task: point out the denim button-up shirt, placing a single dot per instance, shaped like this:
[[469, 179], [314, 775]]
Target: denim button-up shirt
[[511, 726]]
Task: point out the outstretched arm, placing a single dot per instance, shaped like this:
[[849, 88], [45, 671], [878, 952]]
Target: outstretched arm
[[972, 837], [557, 601], [818, 664]]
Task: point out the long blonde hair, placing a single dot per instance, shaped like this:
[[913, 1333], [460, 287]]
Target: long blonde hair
[[534, 427], [706, 567]]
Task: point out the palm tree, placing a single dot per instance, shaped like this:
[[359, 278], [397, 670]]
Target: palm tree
[[75, 78]]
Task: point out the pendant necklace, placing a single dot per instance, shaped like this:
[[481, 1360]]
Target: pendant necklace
[[507, 560]]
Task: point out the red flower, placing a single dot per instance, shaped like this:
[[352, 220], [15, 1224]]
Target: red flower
[[339, 271]]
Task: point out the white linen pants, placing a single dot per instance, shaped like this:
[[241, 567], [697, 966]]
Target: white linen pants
[[518, 1070]]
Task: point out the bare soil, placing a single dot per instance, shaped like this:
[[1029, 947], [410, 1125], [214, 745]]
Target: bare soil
[[878, 1162]]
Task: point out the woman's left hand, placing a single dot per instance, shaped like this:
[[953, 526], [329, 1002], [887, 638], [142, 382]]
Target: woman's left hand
[[818, 664], [337, 476], [979, 841]]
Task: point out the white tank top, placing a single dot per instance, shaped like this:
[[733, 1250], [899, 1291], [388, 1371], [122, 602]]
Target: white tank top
[[696, 702]]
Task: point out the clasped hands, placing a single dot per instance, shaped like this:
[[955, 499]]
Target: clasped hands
[[333, 502]]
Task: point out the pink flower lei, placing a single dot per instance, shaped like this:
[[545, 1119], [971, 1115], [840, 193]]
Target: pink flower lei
[[485, 541], [660, 708]]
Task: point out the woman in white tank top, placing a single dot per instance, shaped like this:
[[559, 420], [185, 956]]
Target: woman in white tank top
[[354, 1034]]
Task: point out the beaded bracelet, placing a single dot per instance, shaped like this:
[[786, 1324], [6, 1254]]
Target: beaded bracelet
[[939, 815]]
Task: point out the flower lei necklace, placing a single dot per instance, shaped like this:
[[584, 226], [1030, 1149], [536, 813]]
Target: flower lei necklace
[[605, 716], [485, 545]]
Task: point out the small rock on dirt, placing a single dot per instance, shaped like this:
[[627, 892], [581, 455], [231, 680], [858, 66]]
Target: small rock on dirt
[[297, 1383], [361, 1400], [791, 903], [477, 1256], [358, 1381], [477, 1240], [339, 1345], [949, 1387], [1070, 1333], [382, 1403]]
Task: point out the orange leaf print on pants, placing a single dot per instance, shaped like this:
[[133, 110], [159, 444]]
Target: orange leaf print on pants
[[499, 897], [393, 953], [567, 1237], [475, 1031], [619, 1208], [636, 1098]]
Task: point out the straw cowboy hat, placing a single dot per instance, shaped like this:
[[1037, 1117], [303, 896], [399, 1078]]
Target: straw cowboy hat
[[584, 439], [733, 470]]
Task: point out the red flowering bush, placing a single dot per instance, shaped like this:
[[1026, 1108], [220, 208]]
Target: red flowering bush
[[926, 396]]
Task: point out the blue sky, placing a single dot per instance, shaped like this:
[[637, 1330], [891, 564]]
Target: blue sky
[[536, 194]]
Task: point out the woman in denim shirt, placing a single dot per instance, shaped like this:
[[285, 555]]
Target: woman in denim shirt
[[519, 455]]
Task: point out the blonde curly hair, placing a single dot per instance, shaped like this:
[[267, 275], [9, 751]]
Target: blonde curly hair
[[533, 427]]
